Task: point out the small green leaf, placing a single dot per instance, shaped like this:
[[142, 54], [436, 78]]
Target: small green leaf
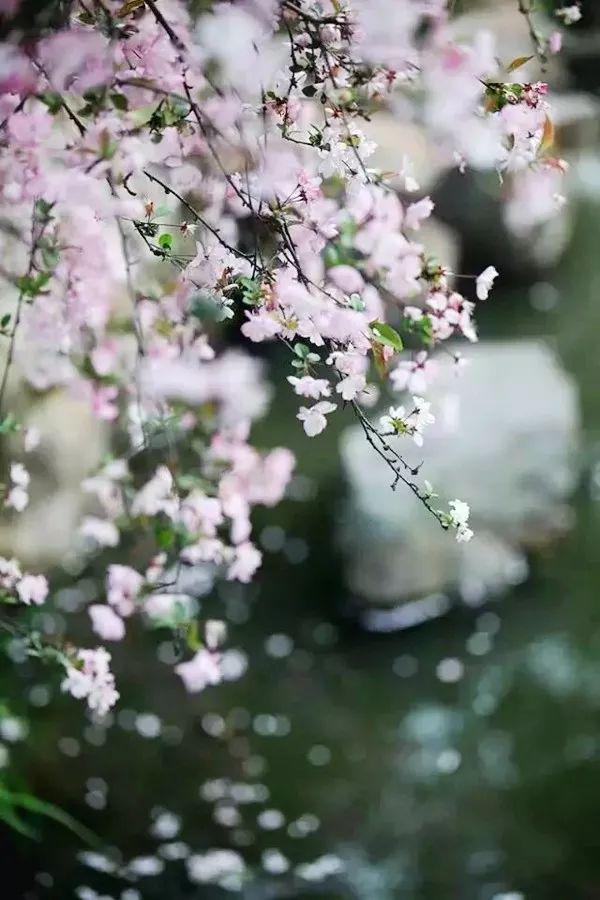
[[53, 101], [517, 63], [331, 256], [165, 538], [119, 101], [166, 241], [387, 335], [50, 256], [51, 811], [9, 424]]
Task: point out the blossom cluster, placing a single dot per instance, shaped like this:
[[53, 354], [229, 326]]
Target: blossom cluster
[[163, 187]]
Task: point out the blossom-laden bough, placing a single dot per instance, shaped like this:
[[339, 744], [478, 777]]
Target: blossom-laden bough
[[161, 175]]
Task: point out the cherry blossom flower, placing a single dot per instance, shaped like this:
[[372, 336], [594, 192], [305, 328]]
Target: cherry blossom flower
[[417, 212], [313, 418], [89, 677], [200, 671], [413, 374], [246, 560], [142, 239], [306, 386], [106, 623], [350, 386], [569, 14], [102, 532], [555, 42], [399, 421], [123, 585], [156, 495], [32, 589], [459, 515], [485, 281]]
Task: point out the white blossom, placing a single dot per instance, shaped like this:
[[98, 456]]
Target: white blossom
[[313, 418], [484, 282]]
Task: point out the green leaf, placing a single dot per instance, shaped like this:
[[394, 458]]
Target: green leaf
[[51, 257], [43, 209], [331, 256], [165, 538], [11, 818], [11, 801], [387, 335], [250, 290], [517, 63], [53, 101], [31, 286], [356, 302], [51, 811], [9, 424], [166, 241], [206, 307], [119, 101]]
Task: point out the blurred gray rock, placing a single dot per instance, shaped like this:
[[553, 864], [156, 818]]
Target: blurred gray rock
[[506, 440]]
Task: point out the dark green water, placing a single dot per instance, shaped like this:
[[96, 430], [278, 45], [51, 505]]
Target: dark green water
[[426, 790]]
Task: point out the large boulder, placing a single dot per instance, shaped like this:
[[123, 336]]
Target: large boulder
[[506, 440]]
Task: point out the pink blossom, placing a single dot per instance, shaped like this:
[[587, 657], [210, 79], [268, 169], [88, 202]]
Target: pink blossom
[[413, 375], [347, 279], [156, 495], [106, 623], [104, 357], [417, 212], [90, 678], [204, 550], [246, 561], [201, 513], [101, 531], [310, 186], [28, 129], [17, 75], [123, 586], [103, 405], [555, 42], [307, 386], [260, 327], [200, 671], [76, 59]]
